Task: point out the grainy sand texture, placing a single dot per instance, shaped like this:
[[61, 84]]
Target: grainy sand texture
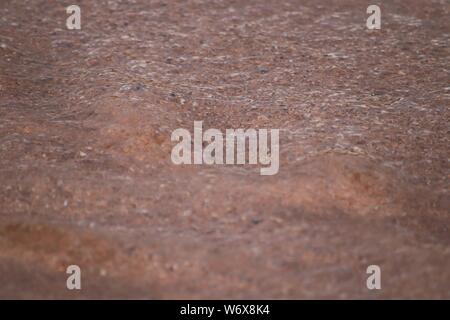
[[86, 176]]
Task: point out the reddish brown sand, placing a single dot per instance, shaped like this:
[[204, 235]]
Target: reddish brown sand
[[85, 170]]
